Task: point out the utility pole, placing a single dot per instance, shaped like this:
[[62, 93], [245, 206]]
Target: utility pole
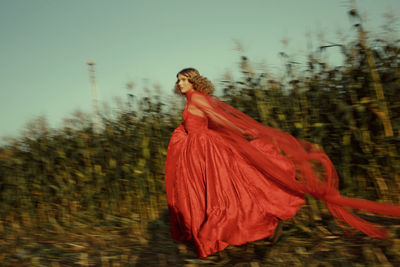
[[96, 116], [376, 80]]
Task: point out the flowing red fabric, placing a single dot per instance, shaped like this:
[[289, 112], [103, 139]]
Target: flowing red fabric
[[230, 178]]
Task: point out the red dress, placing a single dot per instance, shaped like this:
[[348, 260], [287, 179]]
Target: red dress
[[223, 188]]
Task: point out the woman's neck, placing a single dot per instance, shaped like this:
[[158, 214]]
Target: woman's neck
[[188, 94]]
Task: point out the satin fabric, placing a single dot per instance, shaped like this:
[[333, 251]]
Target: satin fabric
[[215, 196], [229, 179]]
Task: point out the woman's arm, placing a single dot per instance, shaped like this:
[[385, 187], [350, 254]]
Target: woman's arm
[[203, 107]]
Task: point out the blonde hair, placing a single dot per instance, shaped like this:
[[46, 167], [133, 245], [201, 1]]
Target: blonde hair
[[200, 83]]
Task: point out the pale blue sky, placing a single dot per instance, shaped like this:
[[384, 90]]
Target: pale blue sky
[[44, 45]]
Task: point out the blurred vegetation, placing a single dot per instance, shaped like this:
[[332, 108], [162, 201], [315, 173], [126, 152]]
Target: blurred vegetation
[[75, 196]]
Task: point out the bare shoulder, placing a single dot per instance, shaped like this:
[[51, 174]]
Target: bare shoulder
[[199, 97]]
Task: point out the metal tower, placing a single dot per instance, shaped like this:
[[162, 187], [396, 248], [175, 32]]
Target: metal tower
[[96, 115]]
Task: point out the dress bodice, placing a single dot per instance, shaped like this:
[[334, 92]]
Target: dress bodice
[[193, 122]]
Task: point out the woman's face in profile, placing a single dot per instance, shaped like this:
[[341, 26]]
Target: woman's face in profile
[[184, 84]]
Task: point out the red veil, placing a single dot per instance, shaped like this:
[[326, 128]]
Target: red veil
[[303, 178]]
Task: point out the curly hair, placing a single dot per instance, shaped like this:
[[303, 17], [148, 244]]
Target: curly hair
[[200, 83]]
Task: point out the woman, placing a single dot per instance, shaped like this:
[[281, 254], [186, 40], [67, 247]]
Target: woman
[[230, 179]]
